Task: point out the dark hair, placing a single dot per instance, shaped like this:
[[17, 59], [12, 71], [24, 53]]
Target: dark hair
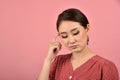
[[72, 14]]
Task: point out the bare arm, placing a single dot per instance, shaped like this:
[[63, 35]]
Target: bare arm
[[44, 74], [54, 47]]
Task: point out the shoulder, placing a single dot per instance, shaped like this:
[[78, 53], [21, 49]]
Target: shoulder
[[108, 68], [103, 61], [58, 61], [56, 65], [62, 57]]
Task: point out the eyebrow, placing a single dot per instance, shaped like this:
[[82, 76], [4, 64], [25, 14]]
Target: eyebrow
[[70, 31]]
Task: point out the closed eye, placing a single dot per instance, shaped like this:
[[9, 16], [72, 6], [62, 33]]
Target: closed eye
[[75, 33], [64, 36]]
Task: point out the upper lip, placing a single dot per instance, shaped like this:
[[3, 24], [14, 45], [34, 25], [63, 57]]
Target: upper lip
[[72, 45]]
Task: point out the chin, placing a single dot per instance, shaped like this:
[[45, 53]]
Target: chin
[[76, 50]]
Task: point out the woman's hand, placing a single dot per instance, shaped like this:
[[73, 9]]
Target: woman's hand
[[54, 48]]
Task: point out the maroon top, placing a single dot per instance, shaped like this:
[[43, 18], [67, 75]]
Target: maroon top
[[96, 68]]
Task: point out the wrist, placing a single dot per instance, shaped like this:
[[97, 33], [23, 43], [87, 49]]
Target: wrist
[[49, 58], [47, 61]]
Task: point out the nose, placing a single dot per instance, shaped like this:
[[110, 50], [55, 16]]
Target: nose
[[72, 39]]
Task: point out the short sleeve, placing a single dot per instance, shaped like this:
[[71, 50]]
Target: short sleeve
[[109, 71], [53, 69]]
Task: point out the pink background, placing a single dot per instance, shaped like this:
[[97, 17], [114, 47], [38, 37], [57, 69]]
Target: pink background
[[27, 27]]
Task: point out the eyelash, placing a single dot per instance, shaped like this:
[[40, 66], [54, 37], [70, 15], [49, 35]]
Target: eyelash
[[73, 34], [64, 36], [76, 33]]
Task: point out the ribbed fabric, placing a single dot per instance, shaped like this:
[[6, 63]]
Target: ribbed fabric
[[96, 68]]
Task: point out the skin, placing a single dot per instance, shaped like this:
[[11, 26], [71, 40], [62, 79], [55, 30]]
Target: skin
[[74, 37]]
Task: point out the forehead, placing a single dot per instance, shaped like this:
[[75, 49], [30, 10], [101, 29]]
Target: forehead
[[67, 26]]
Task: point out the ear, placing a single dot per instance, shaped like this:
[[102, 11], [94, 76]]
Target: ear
[[88, 28]]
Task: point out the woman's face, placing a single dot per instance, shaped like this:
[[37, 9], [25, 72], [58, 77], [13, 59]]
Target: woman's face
[[73, 35]]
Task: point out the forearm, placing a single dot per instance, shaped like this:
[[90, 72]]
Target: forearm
[[44, 74], [54, 47]]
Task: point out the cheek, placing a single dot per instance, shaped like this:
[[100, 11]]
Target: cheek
[[65, 42], [82, 38]]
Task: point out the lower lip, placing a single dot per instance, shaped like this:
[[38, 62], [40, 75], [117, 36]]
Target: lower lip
[[73, 47]]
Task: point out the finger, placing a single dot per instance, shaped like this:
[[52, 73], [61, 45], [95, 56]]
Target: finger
[[59, 46], [55, 38], [56, 49], [55, 44]]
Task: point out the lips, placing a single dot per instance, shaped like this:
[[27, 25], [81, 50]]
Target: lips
[[73, 46]]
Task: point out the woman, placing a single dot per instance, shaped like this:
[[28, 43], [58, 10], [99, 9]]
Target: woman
[[82, 63]]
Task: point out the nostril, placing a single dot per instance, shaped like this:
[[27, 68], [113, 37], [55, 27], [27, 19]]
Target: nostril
[[72, 41]]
